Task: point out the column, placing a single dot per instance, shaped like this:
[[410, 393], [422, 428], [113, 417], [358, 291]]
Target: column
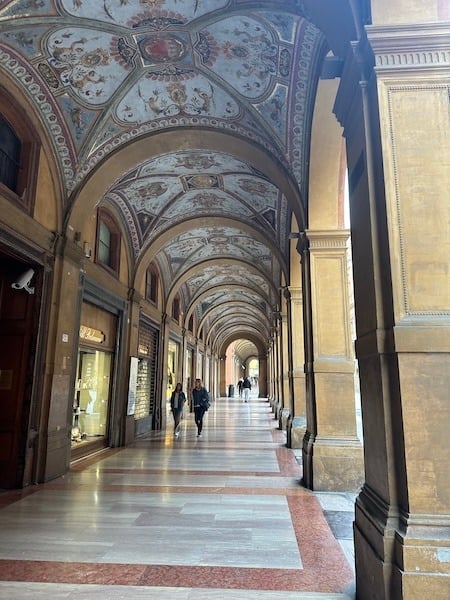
[[278, 380], [334, 455], [298, 422], [263, 376], [399, 154], [286, 375], [223, 392]]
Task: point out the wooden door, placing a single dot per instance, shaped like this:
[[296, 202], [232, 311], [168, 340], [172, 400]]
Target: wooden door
[[16, 307]]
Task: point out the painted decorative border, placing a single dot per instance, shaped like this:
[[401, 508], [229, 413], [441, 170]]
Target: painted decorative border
[[297, 144], [164, 124]]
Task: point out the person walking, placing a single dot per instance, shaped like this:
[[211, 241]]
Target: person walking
[[200, 400], [177, 400], [246, 386], [239, 385]]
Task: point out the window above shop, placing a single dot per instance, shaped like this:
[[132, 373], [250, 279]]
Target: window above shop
[[10, 149], [19, 152], [108, 242], [176, 308], [151, 284]]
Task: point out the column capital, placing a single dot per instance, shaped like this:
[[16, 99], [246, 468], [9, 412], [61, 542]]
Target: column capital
[[328, 239]]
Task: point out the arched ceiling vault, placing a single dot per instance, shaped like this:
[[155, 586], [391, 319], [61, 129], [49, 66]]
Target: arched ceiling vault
[[231, 311], [223, 295], [233, 320], [249, 333], [192, 121], [224, 272], [250, 341], [245, 349]]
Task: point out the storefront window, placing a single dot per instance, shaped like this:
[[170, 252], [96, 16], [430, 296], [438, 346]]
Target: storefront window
[[90, 409], [172, 367]]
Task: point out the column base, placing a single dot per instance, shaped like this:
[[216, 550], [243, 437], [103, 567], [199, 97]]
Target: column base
[[297, 432], [399, 556], [333, 464], [284, 417]]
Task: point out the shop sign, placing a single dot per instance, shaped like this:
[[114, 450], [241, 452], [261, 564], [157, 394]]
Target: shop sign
[[91, 335]]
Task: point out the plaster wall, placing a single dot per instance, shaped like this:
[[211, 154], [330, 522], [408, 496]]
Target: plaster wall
[[397, 12], [46, 203]]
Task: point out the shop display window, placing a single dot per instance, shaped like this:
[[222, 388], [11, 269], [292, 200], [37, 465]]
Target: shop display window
[[91, 401]]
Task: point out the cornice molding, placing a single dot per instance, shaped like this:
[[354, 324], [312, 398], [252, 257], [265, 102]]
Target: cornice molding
[[410, 47]]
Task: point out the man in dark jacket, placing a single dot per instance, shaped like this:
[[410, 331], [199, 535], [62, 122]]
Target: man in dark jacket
[[200, 400], [246, 386]]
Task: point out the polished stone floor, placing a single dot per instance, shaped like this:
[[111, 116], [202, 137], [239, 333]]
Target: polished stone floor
[[220, 516]]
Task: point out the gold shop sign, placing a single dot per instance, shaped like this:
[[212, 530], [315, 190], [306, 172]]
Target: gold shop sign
[[143, 349], [91, 335]]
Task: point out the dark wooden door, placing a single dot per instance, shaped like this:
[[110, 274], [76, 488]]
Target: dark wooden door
[[16, 309]]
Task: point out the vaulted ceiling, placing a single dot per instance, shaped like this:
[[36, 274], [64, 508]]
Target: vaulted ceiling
[[214, 218]]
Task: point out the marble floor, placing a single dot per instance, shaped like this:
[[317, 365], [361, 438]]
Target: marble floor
[[218, 516]]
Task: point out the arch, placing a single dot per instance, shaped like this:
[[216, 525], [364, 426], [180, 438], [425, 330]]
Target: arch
[[127, 157], [223, 288], [199, 268], [233, 336], [222, 324]]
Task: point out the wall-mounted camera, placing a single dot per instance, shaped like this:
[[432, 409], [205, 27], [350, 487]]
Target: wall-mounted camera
[[24, 281]]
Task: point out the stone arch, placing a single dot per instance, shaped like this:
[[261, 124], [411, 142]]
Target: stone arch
[[127, 157], [160, 241]]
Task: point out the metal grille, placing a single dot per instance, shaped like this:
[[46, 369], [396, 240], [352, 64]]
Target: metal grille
[[146, 378]]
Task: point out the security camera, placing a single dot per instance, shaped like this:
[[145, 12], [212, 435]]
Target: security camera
[[23, 283]]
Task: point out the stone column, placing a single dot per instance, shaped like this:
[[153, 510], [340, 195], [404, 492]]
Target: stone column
[[271, 376], [275, 370], [298, 422], [223, 392], [336, 453], [286, 375], [262, 377], [278, 346], [398, 147]]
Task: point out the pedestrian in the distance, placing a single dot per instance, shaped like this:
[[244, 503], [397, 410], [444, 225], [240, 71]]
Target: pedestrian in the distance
[[246, 386], [200, 400], [177, 400]]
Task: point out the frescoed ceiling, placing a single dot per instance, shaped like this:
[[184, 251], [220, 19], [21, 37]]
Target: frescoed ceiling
[[103, 74]]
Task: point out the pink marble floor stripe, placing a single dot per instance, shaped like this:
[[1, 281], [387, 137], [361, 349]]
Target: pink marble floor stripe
[[324, 566]]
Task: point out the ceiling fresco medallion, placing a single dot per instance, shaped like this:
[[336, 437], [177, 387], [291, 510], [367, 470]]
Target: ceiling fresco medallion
[[163, 48], [202, 181]]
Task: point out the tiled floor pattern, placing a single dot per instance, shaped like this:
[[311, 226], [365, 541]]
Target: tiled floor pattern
[[221, 516]]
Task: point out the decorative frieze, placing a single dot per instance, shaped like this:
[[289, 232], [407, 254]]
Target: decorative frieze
[[410, 47]]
